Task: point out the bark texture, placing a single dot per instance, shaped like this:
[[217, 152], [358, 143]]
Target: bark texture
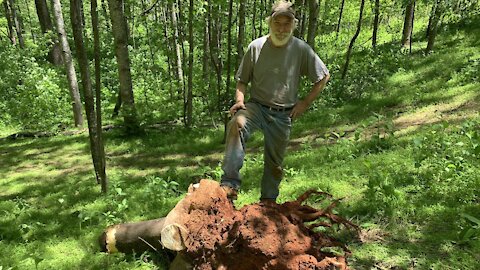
[[100, 149], [77, 27], [69, 67], [120, 35], [55, 53], [436, 17], [16, 22], [408, 23], [313, 7]]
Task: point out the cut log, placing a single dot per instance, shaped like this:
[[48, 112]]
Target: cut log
[[135, 237]]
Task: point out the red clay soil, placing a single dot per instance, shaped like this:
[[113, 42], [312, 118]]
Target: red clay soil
[[259, 236]]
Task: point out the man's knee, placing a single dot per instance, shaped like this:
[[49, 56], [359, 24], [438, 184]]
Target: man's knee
[[236, 124]]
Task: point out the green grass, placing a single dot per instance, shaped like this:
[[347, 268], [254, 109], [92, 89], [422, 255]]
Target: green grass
[[398, 141]]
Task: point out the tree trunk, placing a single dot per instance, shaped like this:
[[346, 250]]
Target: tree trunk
[[313, 7], [342, 5], [98, 100], [120, 36], [164, 12], [350, 47], [303, 19], [8, 15], [408, 23], [437, 17], [68, 62], [430, 19], [76, 18], [135, 237], [206, 69], [55, 53], [262, 16], [181, 41], [16, 22], [189, 120], [225, 99], [411, 29], [254, 20], [229, 53], [375, 23], [214, 30], [178, 52], [241, 32]]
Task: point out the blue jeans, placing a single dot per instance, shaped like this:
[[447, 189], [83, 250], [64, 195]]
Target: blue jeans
[[276, 126]]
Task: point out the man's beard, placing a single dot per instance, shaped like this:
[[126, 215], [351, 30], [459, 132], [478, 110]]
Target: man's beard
[[280, 39]]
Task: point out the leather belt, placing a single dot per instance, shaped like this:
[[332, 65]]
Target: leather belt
[[276, 109]]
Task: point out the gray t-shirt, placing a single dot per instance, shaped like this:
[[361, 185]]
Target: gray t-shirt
[[274, 73]]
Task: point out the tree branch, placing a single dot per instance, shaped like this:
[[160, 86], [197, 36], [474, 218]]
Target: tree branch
[[150, 8]]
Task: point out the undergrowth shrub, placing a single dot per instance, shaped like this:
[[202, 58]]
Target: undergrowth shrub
[[32, 95], [446, 159]]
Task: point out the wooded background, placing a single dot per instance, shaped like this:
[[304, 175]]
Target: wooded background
[[172, 62]]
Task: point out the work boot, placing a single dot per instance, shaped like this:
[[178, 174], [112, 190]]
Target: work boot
[[232, 193]]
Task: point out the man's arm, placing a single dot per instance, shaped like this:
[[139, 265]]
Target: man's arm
[[302, 105], [239, 98]]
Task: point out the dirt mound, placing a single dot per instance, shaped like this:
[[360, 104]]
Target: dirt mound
[[258, 236]]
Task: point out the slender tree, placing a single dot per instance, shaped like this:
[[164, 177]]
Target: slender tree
[[16, 22], [181, 41], [68, 62], [189, 105], [209, 102], [303, 18], [178, 49], [167, 43], [55, 53], [241, 32], [100, 151], [352, 42], [262, 16], [376, 21], [120, 36], [408, 23], [435, 21], [77, 27], [8, 15], [254, 19], [313, 7], [229, 47], [225, 97], [215, 31], [342, 5]]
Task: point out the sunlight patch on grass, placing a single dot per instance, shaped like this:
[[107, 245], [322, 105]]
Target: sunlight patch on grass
[[67, 252], [455, 109]]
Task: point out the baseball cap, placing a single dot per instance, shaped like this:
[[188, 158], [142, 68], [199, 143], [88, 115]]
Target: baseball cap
[[283, 8]]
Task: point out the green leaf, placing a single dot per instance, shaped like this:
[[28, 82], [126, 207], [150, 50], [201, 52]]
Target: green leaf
[[471, 218]]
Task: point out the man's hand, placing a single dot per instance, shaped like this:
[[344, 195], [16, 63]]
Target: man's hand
[[237, 106], [299, 109]]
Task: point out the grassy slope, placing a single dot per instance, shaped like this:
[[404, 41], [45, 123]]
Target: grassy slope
[[51, 210]]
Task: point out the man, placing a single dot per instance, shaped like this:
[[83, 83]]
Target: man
[[273, 64]]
